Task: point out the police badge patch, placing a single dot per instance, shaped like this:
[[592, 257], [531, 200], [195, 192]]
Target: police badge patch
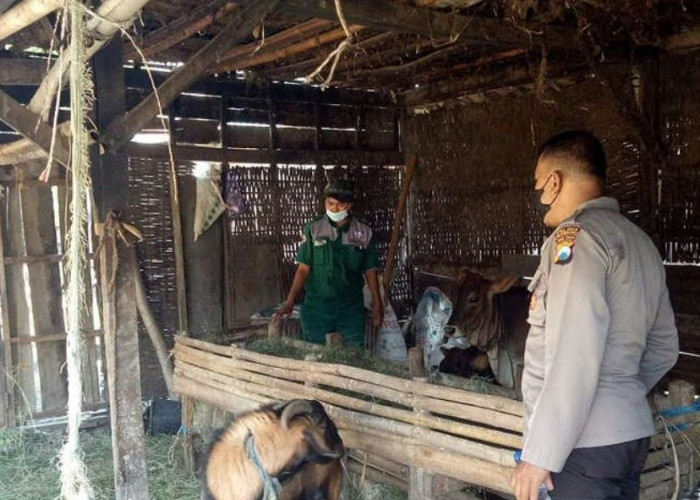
[[565, 238]]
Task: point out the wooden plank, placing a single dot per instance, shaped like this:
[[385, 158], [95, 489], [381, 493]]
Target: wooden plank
[[117, 271], [30, 126], [19, 313], [53, 337], [7, 400], [21, 71], [240, 26], [402, 18], [46, 295]]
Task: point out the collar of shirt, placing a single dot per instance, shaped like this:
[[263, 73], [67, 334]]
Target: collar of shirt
[[601, 203]]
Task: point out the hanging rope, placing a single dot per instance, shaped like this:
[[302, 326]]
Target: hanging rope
[[335, 54], [74, 481]]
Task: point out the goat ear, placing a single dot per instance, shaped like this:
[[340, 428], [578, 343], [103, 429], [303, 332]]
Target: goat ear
[[503, 284], [320, 448]]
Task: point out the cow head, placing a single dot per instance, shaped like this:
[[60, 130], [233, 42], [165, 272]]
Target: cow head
[[476, 313]]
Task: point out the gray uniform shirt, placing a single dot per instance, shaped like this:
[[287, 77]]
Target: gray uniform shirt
[[602, 334]]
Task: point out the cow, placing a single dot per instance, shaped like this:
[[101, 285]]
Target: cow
[[492, 315]]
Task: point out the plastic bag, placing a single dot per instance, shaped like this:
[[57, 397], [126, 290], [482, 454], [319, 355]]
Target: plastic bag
[[390, 342], [235, 204], [429, 321]]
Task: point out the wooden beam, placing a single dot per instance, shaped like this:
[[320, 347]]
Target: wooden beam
[[30, 126], [22, 71], [511, 76], [687, 40], [123, 129], [323, 157], [180, 29], [111, 15], [385, 15], [25, 13]]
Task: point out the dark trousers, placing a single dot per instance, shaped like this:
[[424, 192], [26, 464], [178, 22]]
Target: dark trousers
[[602, 473]]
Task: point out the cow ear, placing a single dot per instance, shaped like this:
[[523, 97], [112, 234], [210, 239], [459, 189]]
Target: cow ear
[[503, 284], [463, 275]]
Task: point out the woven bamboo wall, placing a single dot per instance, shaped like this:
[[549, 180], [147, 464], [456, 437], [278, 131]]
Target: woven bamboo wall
[[473, 200], [679, 190]]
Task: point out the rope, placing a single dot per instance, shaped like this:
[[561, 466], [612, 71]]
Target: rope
[[336, 53], [271, 485], [74, 481]]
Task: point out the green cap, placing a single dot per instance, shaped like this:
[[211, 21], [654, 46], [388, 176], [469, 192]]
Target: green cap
[[340, 189]]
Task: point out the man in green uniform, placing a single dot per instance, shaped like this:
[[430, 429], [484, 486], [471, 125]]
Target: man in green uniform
[[337, 254]]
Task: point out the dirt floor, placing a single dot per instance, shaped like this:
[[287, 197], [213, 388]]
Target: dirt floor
[[29, 471]]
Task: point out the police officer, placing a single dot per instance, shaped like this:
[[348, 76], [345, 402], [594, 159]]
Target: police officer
[[337, 254], [602, 334]]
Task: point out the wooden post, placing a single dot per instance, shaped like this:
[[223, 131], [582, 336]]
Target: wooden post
[[420, 481], [7, 400], [117, 271], [187, 417], [415, 362]]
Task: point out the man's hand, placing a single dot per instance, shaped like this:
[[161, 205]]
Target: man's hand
[[285, 310], [527, 479], [377, 314]]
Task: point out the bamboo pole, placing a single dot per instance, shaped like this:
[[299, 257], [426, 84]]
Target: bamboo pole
[[463, 468], [238, 63], [398, 222], [459, 410], [281, 390], [497, 403], [121, 13], [151, 326], [25, 13]]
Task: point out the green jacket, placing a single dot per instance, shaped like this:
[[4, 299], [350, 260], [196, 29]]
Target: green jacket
[[339, 257]]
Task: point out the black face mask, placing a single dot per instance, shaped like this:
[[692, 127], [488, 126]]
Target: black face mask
[[542, 208]]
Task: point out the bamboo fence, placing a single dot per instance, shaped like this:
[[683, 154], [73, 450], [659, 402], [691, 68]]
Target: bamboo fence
[[390, 424]]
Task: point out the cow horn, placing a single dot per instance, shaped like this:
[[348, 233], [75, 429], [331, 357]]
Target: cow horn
[[294, 409]]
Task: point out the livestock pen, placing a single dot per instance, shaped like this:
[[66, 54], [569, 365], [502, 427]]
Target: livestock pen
[[269, 100]]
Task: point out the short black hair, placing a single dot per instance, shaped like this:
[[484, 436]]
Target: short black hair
[[581, 147]]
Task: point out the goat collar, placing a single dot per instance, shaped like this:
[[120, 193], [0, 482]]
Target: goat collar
[[271, 485]]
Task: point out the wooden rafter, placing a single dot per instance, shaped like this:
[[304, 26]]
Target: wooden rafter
[[385, 15], [199, 19], [285, 52], [25, 13], [30, 126], [279, 40], [240, 26], [302, 67]]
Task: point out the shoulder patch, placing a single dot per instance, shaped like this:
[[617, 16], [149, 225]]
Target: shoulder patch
[[564, 239]]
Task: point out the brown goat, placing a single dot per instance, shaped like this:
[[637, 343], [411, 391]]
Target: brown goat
[[295, 443]]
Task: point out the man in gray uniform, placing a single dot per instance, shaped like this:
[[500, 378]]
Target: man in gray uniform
[[602, 334]]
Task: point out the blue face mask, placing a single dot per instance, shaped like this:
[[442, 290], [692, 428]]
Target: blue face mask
[[337, 216]]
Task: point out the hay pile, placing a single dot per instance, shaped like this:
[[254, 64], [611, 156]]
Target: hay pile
[[29, 470]]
